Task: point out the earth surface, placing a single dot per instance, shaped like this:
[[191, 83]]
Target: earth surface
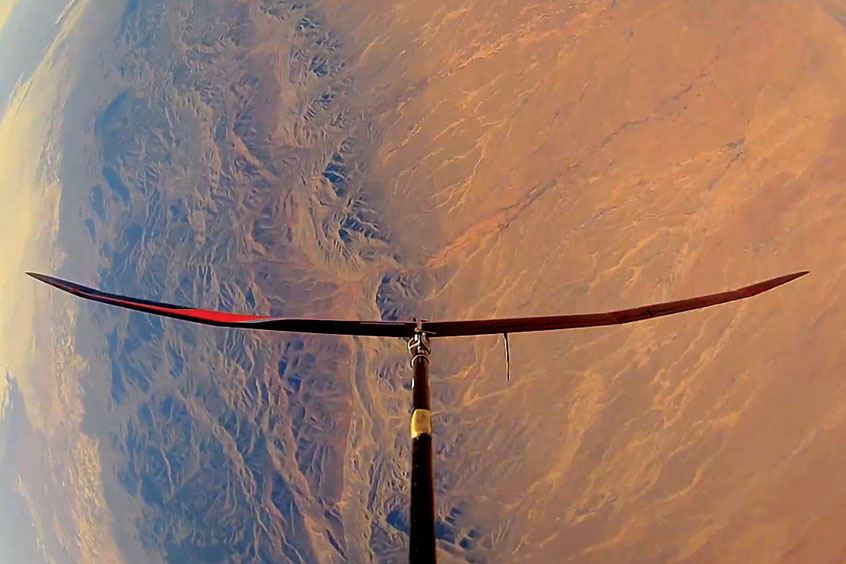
[[388, 160]]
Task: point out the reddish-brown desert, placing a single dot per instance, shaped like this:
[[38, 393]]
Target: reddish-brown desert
[[456, 160]]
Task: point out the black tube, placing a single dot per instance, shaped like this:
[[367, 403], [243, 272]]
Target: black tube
[[422, 528]]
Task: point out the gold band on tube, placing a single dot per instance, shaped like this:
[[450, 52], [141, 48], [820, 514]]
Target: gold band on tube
[[421, 423]]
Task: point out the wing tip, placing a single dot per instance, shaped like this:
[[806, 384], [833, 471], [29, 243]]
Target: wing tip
[[790, 277], [40, 277], [766, 285], [63, 285]]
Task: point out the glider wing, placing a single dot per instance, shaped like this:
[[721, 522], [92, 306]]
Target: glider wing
[[406, 328], [553, 322], [221, 319]]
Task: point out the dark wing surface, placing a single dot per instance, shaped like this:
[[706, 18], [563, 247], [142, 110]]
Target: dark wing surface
[[553, 322], [221, 319], [406, 328]]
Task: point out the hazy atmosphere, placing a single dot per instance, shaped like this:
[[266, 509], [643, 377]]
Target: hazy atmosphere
[[454, 160]]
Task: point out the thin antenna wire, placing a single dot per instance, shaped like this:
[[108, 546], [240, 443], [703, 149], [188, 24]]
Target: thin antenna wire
[[507, 360]]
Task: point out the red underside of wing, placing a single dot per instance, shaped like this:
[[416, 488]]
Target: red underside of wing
[[199, 314], [209, 317], [187, 313]]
